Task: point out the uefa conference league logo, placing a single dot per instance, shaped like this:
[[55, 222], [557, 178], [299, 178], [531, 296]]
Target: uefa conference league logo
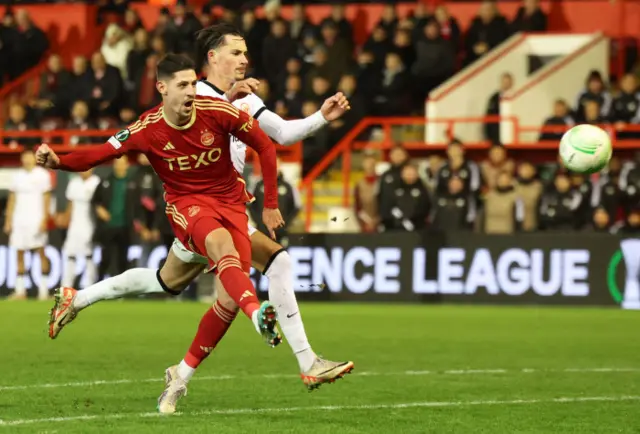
[[629, 253]]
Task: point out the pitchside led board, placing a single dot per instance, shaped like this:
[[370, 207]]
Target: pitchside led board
[[558, 269]]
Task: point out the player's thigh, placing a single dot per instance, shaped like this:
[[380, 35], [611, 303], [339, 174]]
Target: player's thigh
[[262, 249], [177, 274]]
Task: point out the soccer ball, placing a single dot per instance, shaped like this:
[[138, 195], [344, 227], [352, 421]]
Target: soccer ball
[[585, 149]]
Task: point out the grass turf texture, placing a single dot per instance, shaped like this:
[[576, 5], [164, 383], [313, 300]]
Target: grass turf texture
[[490, 370]]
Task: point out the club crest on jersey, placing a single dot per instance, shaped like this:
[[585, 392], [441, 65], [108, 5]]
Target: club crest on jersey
[[207, 138], [244, 107], [193, 210]]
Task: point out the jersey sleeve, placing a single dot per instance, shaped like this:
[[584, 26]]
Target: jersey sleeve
[[128, 140], [255, 104]]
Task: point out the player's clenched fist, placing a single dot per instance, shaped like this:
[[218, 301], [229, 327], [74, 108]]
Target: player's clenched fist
[[335, 106], [242, 88], [273, 220], [46, 157]]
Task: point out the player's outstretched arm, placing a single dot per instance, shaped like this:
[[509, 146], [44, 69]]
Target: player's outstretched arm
[[77, 161], [289, 132]]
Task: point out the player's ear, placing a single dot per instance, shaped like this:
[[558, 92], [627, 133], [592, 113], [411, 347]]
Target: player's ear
[[211, 55], [162, 87]]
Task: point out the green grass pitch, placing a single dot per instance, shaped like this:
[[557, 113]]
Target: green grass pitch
[[419, 369]]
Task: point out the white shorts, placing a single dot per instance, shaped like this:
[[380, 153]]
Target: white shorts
[[27, 239], [78, 245], [188, 257]]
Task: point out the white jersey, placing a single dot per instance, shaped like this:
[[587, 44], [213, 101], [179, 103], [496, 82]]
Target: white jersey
[[79, 193], [251, 104], [29, 188]]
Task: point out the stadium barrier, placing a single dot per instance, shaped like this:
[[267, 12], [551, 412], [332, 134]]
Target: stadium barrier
[[458, 267]]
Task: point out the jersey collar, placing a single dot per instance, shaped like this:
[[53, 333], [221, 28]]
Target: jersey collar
[[213, 86]]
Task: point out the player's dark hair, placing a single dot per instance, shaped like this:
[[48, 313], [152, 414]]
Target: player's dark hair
[[212, 37], [172, 63]]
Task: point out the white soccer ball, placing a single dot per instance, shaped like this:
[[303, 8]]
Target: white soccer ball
[[585, 149]]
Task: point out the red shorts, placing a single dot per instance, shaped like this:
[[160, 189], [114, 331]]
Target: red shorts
[[193, 217]]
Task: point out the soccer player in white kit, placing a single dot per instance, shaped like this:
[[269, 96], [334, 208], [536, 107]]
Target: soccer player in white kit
[[81, 226], [27, 218], [225, 51]]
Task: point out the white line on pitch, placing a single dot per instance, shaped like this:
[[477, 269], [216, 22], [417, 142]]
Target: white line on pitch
[[234, 411], [280, 376]]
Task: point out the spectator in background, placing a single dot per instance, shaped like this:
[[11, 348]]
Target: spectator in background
[[147, 96], [105, 86], [80, 87], [529, 18], [293, 97], [137, 58], [595, 91], [453, 208], [600, 221], [8, 36], [390, 179], [132, 22], [496, 164], [299, 26], [432, 168], [288, 202], [127, 117], [529, 190], [339, 19], [368, 76], [255, 32], [350, 87], [158, 46], [338, 50], [626, 107], [459, 167], [293, 67], [378, 44], [315, 146], [584, 188], [406, 208], [631, 224], [435, 61], [320, 68], [449, 28], [80, 121], [503, 207], [278, 48], [492, 129], [146, 190], [183, 25], [561, 117], [389, 19], [55, 83], [403, 46], [393, 96], [307, 48], [629, 182], [18, 121], [320, 89], [488, 30], [30, 44], [116, 47], [418, 19], [593, 113], [559, 204], [366, 205], [114, 206]]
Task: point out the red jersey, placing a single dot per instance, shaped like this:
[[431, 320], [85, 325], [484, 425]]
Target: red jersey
[[194, 158]]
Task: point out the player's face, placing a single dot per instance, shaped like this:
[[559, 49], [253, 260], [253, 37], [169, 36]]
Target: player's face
[[179, 93], [230, 60], [28, 160]]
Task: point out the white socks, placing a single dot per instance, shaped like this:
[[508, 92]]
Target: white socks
[[20, 289], [135, 281], [185, 371], [284, 299]]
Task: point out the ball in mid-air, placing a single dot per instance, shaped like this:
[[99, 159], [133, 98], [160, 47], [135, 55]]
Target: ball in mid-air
[[585, 149]]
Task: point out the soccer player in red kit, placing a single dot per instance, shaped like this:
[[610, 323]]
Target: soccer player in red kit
[[186, 140]]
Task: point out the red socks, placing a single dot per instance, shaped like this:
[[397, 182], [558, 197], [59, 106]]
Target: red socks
[[237, 284], [213, 326]]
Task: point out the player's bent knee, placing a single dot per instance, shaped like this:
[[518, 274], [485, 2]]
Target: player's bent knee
[[219, 244], [223, 298]]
